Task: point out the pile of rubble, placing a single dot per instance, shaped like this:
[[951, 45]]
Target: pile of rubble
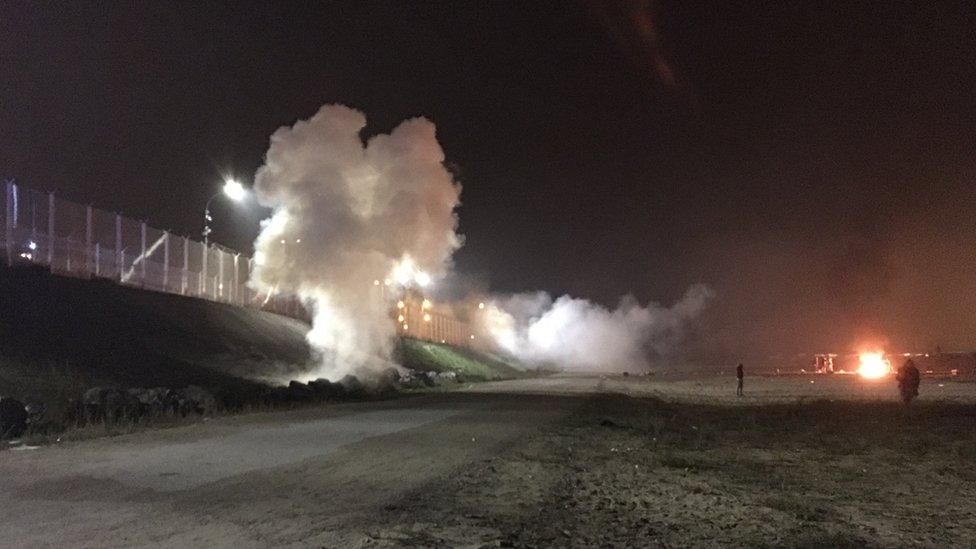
[[350, 386], [416, 379], [319, 390], [110, 404], [113, 405]]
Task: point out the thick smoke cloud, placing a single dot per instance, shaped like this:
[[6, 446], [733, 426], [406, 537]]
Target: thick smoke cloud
[[579, 335], [350, 217], [347, 213]]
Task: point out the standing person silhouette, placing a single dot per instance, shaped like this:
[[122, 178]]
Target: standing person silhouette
[[908, 381], [739, 375]]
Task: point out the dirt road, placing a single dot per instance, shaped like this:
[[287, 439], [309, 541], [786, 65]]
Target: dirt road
[[308, 478], [563, 461]]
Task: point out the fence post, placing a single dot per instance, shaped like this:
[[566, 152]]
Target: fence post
[[237, 278], [186, 265], [119, 257], [203, 273], [9, 221], [50, 230], [165, 261], [98, 259], [142, 254], [220, 274], [88, 240], [247, 289]]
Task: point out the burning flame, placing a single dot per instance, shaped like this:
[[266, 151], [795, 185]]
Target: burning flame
[[873, 365]]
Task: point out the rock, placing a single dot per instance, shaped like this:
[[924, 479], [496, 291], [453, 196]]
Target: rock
[[35, 409], [109, 404], [324, 389], [351, 383], [412, 379], [448, 377], [300, 392], [198, 400], [13, 418], [153, 402]]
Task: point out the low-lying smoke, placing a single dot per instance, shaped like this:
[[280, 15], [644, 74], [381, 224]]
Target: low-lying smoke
[[576, 334], [349, 213]]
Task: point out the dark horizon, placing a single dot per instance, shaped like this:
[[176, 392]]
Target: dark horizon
[[810, 162]]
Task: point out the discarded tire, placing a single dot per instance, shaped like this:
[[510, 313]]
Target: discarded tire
[[13, 418]]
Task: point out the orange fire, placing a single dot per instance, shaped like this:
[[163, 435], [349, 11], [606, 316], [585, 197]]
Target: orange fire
[[873, 365]]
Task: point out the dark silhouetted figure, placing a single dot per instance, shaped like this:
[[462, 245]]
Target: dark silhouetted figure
[[738, 376], [908, 379]]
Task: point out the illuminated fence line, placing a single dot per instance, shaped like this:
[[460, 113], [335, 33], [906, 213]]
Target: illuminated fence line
[[85, 242], [419, 318]]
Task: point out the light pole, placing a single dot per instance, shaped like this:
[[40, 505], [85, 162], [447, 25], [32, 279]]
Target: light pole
[[233, 190]]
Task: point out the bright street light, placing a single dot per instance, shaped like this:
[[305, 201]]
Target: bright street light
[[234, 190]]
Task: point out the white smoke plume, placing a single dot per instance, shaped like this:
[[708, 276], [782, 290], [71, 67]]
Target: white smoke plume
[[348, 213], [575, 334]]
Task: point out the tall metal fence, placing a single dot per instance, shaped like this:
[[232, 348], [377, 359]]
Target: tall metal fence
[[421, 318], [81, 241]]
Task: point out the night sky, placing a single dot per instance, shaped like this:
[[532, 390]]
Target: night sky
[[812, 161]]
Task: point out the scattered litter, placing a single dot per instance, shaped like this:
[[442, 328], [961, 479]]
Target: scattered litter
[[942, 385], [472, 439], [13, 442], [25, 447], [811, 381], [694, 428]]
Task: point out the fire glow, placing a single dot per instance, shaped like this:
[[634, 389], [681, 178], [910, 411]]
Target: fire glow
[[873, 365]]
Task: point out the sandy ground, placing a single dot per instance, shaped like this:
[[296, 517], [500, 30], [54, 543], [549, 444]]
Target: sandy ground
[[561, 461], [759, 390]]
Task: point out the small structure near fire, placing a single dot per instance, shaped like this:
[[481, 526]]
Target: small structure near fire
[[877, 364], [869, 365], [824, 363]]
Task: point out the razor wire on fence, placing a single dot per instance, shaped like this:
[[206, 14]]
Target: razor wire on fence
[[81, 241]]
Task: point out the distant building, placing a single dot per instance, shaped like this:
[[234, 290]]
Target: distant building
[[940, 364]]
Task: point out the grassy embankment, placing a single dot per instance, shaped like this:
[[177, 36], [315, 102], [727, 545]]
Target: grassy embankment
[[469, 364], [60, 336]]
